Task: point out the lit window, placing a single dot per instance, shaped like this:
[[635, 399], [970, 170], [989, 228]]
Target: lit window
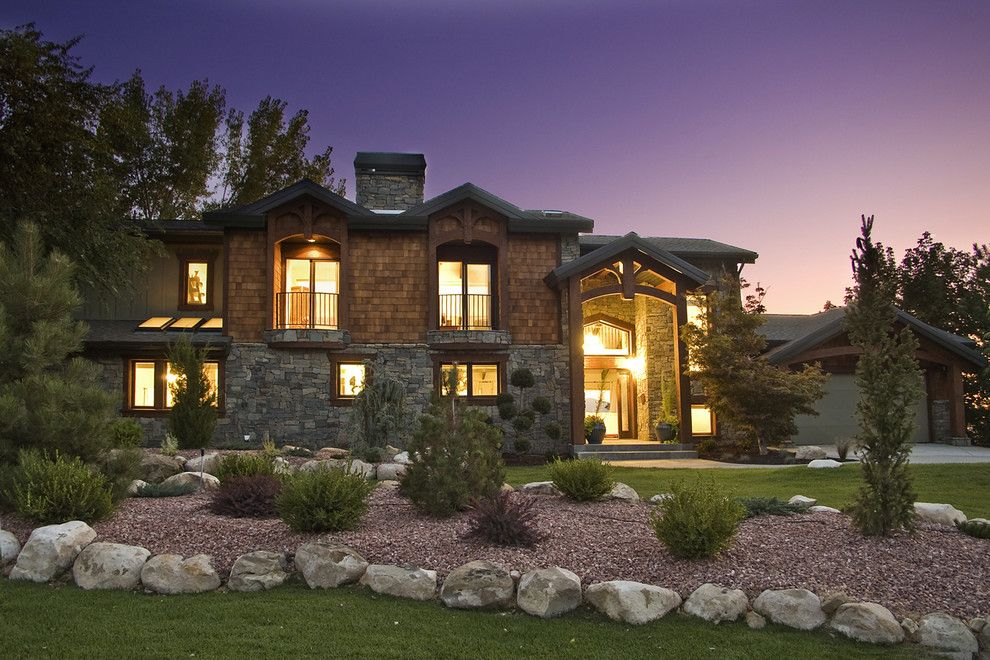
[[695, 308], [350, 379], [211, 369], [465, 295], [603, 338], [310, 296], [481, 380], [151, 382], [462, 378], [196, 282], [155, 323], [701, 420], [143, 385], [216, 323], [185, 323]]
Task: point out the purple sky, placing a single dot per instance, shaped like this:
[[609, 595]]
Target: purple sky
[[769, 125]]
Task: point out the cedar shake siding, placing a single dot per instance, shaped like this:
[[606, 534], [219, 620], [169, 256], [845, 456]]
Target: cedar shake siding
[[534, 308], [247, 264]]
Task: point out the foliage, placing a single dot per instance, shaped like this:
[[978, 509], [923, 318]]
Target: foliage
[[299, 452], [521, 416], [505, 518], [455, 456], [269, 450], [552, 429], [126, 432], [590, 422], [843, 446], [748, 394], [769, 506], [370, 454], [668, 402], [890, 382], [974, 528], [120, 467], [698, 520], [243, 464], [57, 489], [379, 415], [247, 496], [170, 446], [194, 406], [48, 400], [521, 445], [324, 500], [166, 490], [584, 480]]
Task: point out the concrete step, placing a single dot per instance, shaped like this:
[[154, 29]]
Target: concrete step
[[633, 453], [638, 446]]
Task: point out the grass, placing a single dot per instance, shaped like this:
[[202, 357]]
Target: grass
[[292, 621], [965, 486]]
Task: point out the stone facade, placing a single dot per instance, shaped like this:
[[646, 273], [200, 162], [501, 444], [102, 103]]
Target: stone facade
[[941, 423], [389, 192]]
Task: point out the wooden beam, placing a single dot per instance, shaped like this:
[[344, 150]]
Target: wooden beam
[[575, 328], [683, 380]]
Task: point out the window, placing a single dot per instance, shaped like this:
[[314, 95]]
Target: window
[[466, 287], [150, 379], [604, 338], [310, 296], [350, 379], [702, 420], [195, 282], [473, 379]]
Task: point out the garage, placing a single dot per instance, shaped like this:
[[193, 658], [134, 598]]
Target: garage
[[837, 415]]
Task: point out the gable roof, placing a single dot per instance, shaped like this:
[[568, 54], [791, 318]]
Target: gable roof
[[253, 215], [607, 254], [796, 333], [697, 248]]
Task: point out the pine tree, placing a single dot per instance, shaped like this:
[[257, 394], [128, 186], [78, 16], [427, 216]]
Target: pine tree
[[889, 382], [48, 399], [194, 405]]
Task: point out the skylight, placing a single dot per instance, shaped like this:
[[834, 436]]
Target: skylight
[[155, 323], [185, 323], [216, 323]]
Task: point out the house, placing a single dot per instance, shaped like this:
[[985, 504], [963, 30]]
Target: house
[[298, 294]]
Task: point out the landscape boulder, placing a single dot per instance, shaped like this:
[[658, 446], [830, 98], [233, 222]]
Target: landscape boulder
[[867, 622], [824, 464], [715, 603], [818, 508], [809, 453], [391, 471], [258, 570], [207, 463], [135, 486], [755, 621], [109, 566], [621, 491], [832, 602], [478, 585], [943, 514], [549, 592], [507, 488], [50, 550], [200, 481], [156, 468], [281, 466], [660, 497], [801, 500], [9, 547], [331, 452], [326, 565], [402, 457], [946, 634], [632, 602], [401, 581], [795, 608], [357, 466], [171, 574], [539, 488]]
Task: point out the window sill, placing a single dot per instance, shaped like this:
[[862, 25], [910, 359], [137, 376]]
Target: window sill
[[469, 338]]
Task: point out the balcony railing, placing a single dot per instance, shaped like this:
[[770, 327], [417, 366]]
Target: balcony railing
[[471, 311], [306, 309]]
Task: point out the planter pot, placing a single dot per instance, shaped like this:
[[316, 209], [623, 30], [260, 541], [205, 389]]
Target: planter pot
[[665, 432], [597, 434]]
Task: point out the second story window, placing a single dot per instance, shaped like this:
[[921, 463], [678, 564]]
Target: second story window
[[195, 282], [465, 287], [310, 296]]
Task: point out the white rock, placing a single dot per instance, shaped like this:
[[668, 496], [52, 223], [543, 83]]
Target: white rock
[[403, 458], [983, 637], [539, 488], [507, 488], [207, 463], [824, 463], [207, 481], [258, 570], [134, 486], [621, 491], [357, 466], [327, 565], [910, 627], [944, 514], [632, 602], [818, 508], [982, 521], [755, 621], [331, 452], [946, 633], [549, 592], [109, 566], [171, 574], [9, 547], [50, 550], [867, 622], [401, 581], [796, 608], [391, 471], [809, 453], [660, 497], [282, 466], [477, 585], [801, 500], [715, 603]]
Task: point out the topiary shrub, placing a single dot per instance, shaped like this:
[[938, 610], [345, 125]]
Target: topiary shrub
[[455, 456], [247, 497], [57, 489], [697, 521], [166, 490], [974, 528], [584, 481], [769, 506], [126, 432], [323, 500], [243, 465], [521, 445], [505, 519], [542, 405]]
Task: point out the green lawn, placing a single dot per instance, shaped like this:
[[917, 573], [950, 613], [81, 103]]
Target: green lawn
[[965, 486], [292, 621]]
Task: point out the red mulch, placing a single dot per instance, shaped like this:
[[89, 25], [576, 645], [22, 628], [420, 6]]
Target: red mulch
[[935, 569]]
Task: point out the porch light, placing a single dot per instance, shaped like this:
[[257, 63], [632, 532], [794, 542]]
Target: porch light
[[593, 344], [310, 240], [634, 365]]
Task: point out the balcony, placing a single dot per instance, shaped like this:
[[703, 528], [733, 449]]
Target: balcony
[[306, 310], [471, 311]]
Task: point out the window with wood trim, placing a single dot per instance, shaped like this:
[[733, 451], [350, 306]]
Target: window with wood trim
[[148, 383], [466, 287], [350, 379], [310, 290], [702, 420], [195, 281], [474, 379]]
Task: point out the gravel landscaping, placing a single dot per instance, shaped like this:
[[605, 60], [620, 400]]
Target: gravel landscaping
[[935, 569]]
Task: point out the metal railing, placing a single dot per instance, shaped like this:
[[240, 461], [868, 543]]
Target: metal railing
[[472, 311], [307, 309]]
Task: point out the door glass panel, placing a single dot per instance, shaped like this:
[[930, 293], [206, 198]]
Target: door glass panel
[[143, 380], [297, 283], [325, 284], [484, 380], [451, 288], [479, 279], [625, 414]]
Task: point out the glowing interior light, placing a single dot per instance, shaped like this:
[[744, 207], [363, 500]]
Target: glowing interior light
[[634, 365]]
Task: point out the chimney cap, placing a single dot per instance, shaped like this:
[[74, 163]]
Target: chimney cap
[[389, 162]]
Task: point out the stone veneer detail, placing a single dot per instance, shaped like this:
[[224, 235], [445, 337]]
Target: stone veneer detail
[[388, 192]]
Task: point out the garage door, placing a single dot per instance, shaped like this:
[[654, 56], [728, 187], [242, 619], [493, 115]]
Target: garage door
[[837, 415]]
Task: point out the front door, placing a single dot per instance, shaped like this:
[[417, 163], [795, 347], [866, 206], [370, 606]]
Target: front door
[[609, 393]]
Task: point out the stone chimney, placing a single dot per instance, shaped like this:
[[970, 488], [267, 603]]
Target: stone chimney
[[389, 181]]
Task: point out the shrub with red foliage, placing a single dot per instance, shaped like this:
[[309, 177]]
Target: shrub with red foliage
[[247, 497], [505, 518]]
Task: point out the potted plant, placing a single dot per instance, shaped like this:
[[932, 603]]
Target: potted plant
[[666, 431], [594, 429]]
